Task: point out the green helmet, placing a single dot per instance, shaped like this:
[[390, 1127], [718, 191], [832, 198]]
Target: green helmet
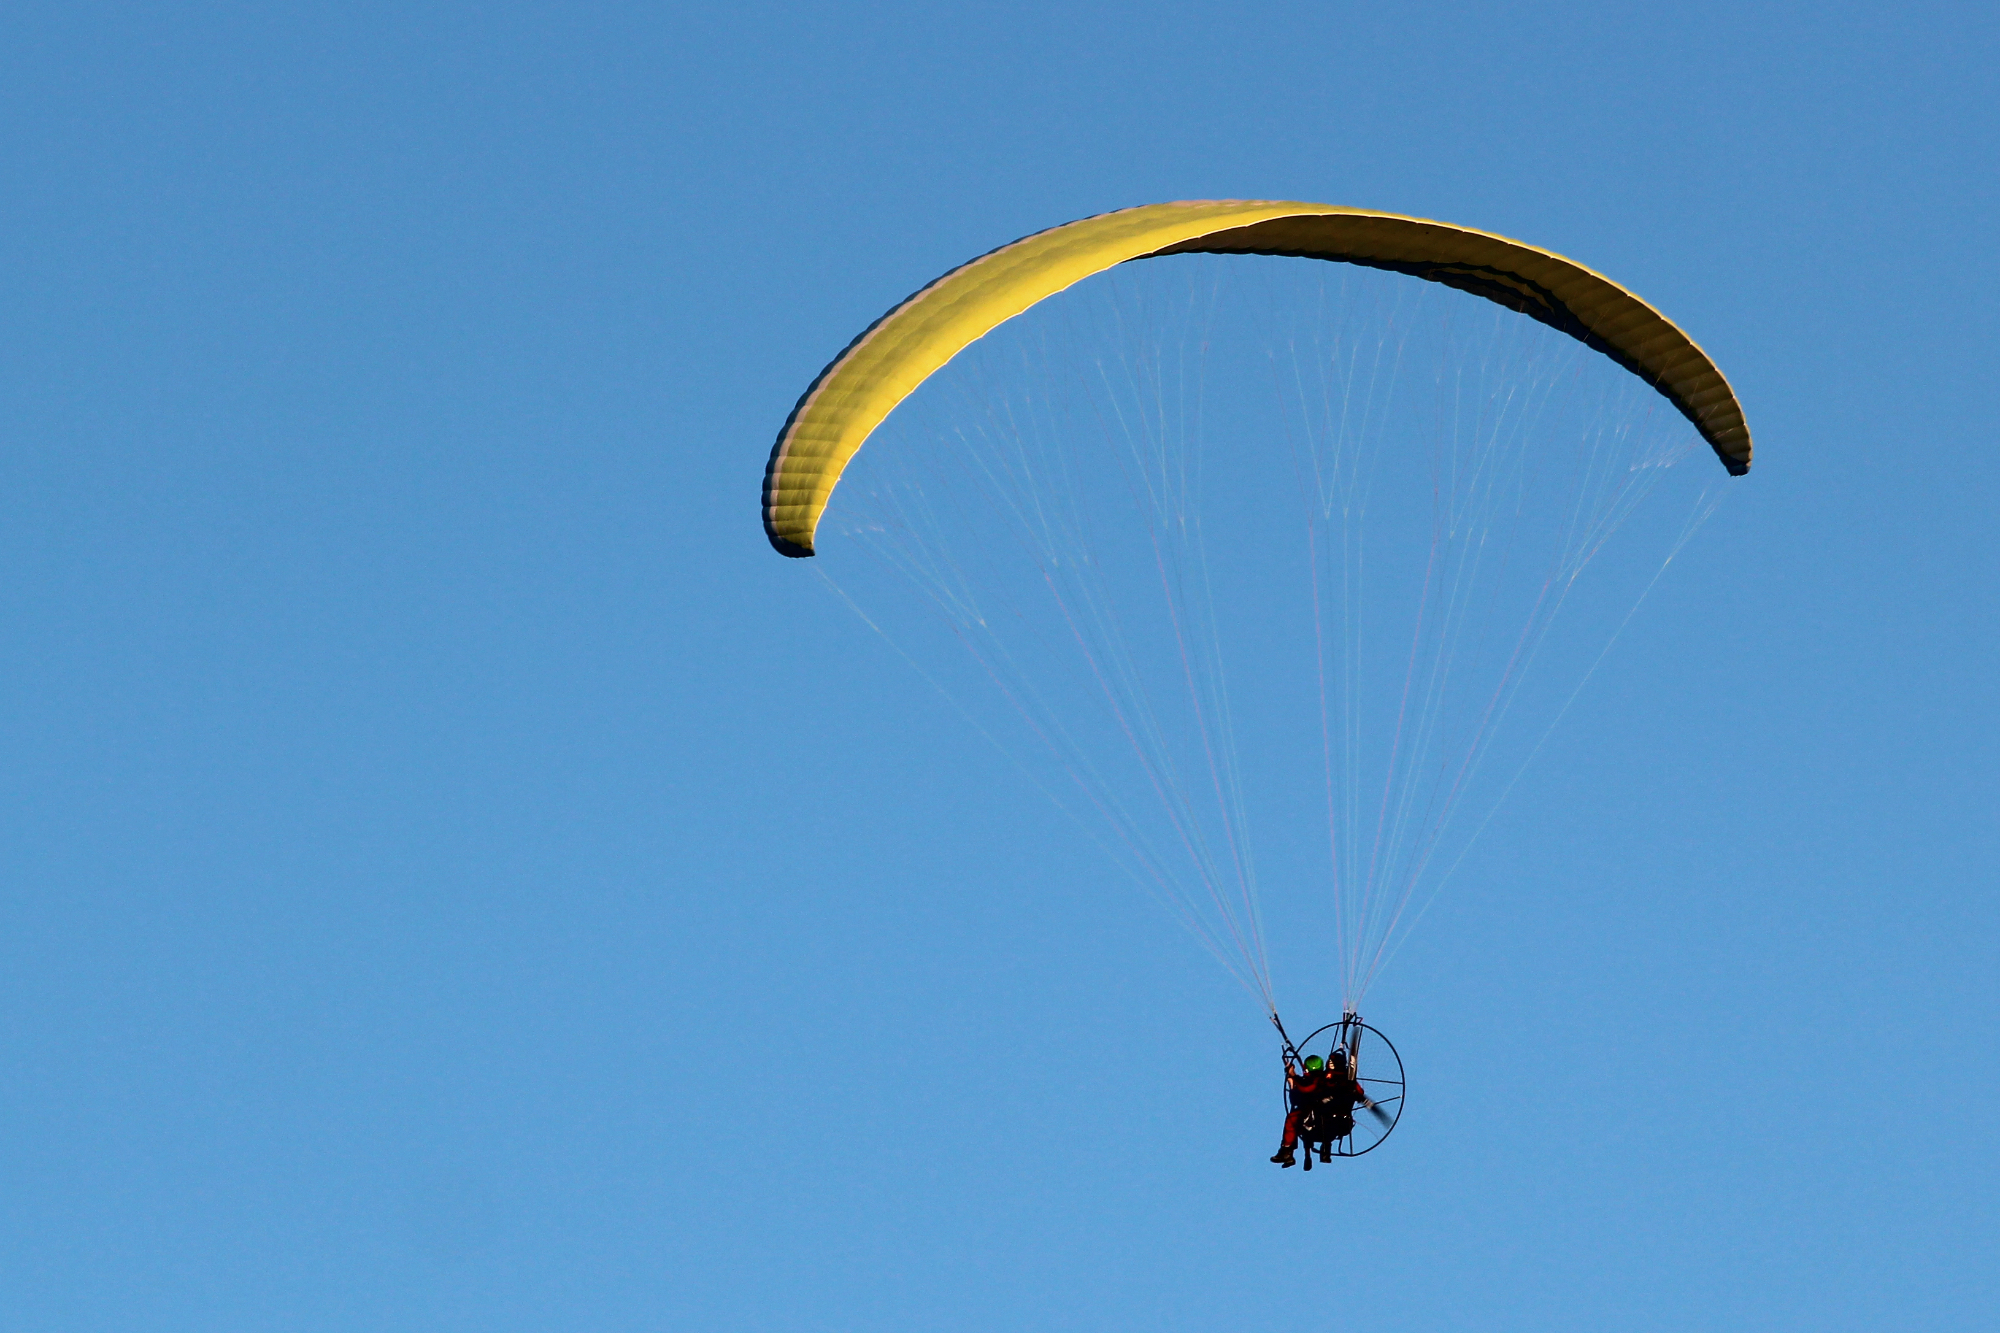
[[1314, 1063]]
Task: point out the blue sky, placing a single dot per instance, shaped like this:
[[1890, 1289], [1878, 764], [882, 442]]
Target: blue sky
[[456, 876]]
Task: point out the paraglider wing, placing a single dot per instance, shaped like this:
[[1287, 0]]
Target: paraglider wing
[[852, 396]]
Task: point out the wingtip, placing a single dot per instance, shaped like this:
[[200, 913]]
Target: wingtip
[[785, 547]]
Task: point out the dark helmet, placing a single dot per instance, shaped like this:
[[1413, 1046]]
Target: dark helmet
[[1340, 1056], [1314, 1063]]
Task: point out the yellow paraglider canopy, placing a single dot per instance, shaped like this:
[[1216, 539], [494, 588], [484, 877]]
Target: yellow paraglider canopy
[[903, 348]]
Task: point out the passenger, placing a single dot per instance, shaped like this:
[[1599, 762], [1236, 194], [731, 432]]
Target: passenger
[[1303, 1090]]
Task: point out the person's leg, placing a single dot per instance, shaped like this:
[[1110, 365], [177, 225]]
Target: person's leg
[[1283, 1156]]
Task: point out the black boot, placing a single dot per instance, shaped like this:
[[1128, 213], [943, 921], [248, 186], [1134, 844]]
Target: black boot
[[1285, 1158]]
